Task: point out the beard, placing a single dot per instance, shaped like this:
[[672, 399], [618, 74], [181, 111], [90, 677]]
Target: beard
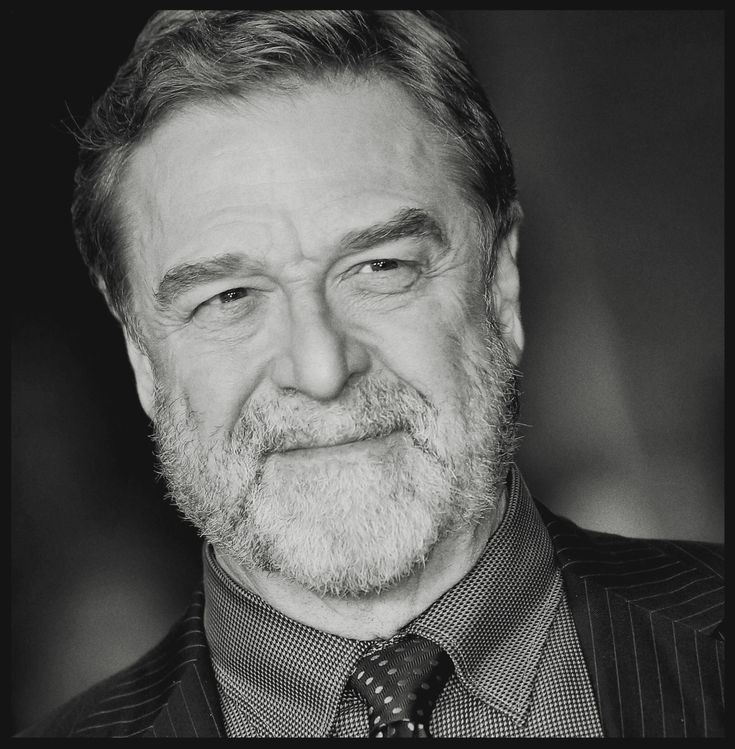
[[351, 525]]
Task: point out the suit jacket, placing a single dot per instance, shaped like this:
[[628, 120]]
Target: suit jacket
[[649, 615]]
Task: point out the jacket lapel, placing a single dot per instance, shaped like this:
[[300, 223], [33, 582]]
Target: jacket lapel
[[191, 708], [647, 613]]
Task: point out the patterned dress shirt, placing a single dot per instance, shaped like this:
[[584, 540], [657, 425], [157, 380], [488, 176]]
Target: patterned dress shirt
[[519, 670]]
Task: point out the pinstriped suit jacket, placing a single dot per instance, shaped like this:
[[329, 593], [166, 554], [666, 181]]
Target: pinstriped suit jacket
[[649, 616]]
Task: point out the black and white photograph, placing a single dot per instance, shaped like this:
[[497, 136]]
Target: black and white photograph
[[367, 373]]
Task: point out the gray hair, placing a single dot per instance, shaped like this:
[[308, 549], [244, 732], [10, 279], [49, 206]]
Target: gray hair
[[189, 56]]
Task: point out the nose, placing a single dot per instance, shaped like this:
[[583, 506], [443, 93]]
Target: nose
[[316, 355]]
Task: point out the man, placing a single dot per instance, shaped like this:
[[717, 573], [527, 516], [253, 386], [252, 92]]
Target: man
[[306, 223]]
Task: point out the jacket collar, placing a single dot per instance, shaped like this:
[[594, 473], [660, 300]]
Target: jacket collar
[[633, 624], [192, 708]]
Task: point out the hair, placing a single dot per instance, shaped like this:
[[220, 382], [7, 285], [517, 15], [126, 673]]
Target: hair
[[196, 56]]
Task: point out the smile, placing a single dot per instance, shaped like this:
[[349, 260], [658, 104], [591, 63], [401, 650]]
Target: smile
[[373, 446]]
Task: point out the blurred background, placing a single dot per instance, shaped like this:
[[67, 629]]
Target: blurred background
[[616, 122]]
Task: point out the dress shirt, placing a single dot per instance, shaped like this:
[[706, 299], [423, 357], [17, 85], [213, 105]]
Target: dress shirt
[[519, 670]]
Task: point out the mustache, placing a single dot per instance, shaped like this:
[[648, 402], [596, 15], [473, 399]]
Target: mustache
[[367, 409]]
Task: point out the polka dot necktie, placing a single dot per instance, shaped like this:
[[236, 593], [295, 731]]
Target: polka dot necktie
[[400, 684]]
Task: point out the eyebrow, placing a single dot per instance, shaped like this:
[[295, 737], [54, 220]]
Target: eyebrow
[[408, 222], [181, 278]]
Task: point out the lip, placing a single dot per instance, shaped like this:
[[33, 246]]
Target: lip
[[356, 448]]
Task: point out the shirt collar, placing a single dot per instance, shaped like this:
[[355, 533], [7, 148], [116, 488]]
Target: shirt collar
[[493, 623], [287, 675]]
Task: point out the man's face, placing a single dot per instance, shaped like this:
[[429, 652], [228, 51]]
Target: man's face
[[327, 396]]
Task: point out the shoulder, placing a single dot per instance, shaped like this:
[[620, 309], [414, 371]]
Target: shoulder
[[126, 703], [678, 579]]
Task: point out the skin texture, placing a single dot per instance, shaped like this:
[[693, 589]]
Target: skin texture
[[279, 191]]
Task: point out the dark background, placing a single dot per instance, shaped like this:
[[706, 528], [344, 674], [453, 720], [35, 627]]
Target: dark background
[[616, 121]]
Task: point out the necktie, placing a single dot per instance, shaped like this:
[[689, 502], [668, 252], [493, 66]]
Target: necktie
[[400, 684]]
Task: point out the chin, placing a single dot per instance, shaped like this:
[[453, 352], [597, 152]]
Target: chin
[[350, 530]]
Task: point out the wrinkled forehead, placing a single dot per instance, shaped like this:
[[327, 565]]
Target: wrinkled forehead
[[328, 153], [367, 117]]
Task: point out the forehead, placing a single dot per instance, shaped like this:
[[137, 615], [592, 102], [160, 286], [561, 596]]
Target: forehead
[[316, 161]]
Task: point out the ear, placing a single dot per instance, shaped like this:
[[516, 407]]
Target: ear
[[505, 293], [144, 377]]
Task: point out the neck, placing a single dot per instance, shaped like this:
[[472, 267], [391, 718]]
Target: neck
[[378, 615]]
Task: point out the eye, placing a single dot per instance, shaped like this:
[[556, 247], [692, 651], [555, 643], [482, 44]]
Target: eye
[[379, 265], [385, 276], [231, 295], [226, 306]]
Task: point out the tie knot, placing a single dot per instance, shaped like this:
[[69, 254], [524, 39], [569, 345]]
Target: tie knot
[[400, 684]]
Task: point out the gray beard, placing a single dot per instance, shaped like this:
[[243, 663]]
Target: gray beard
[[346, 527]]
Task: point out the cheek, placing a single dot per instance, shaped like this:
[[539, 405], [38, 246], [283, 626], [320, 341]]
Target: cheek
[[427, 353], [214, 385]]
